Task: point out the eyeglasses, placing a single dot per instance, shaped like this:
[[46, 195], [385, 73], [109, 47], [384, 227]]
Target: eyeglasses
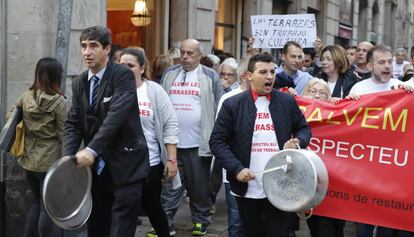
[[320, 92], [223, 74]]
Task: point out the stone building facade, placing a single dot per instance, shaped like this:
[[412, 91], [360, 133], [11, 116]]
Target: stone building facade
[[347, 22]]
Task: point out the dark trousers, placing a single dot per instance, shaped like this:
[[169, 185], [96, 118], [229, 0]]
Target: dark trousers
[[195, 175], [38, 222], [388, 232], [321, 226], [114, 211], [151, 201], [260, 218], [365, 230]]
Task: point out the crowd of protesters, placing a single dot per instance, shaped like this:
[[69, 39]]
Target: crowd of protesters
[[193, 105]]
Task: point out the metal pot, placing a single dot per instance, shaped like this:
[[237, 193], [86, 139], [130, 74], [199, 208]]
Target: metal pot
[[66, 193], [301, 186]]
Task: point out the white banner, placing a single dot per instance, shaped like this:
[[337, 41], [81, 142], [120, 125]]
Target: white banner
[[273, 31]]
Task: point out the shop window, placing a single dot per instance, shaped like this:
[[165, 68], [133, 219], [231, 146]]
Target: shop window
[[148, 35], [225, 30]]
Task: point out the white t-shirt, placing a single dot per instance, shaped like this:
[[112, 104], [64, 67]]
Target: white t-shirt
[[225, 96], [410, 82], [186, 100], [331, 86], [397, 69], [264, 146], [146, 114], [368, 86], [220, 103]]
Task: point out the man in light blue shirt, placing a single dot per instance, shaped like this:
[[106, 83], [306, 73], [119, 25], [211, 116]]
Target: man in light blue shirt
[[289, 74]]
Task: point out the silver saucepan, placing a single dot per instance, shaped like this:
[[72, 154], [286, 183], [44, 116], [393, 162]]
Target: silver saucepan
[[300, 184], [67, 193]]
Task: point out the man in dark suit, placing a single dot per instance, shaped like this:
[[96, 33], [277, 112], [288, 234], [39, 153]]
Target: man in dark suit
[[104, 116], [250, 128]]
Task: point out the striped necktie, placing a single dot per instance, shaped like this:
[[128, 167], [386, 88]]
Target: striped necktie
[[94, 92]]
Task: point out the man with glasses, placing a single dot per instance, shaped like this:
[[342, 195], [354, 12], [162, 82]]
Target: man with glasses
[[194, 91]]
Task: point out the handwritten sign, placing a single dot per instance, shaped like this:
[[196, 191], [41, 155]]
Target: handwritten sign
[[273, 31]]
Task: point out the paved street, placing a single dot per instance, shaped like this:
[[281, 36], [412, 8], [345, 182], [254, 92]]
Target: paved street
[[219, 226]]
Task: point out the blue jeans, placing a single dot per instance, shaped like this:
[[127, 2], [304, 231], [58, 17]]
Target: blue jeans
[[233, 218]]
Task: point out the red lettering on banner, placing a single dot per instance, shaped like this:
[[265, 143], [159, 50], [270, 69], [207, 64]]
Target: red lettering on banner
[[367, 148]]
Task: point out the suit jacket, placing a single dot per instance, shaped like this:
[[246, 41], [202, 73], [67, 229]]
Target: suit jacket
[[112, 129], [231, 140], [283, 80]]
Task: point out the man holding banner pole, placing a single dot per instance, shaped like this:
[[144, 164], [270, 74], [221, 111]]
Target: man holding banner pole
[[379, 60]]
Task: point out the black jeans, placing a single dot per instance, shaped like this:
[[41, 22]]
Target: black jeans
[[114, 211], [38, 222], [321, 226], [388, 232], [260, 218], [151, 201]]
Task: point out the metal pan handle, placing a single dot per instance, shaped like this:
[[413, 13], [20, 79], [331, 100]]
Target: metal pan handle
[[303, 215]]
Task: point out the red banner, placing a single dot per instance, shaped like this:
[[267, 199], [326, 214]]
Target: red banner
[[368, 149]]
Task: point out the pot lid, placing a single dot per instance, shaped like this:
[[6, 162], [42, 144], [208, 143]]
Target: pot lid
[[292, 189], [66, 188]]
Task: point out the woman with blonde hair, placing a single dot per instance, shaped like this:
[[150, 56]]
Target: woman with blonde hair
[[336, 70], [317, 89]]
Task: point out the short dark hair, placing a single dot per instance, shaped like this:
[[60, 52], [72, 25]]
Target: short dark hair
[[412, 52], [48, 76], [351, 47], [289, 43], [260, 57], [114, 48], [310, 51], [98, 33], [206, 61], [377, 48]]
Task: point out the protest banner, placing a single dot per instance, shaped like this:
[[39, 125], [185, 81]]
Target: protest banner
[[367, 147], [273, 31]]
